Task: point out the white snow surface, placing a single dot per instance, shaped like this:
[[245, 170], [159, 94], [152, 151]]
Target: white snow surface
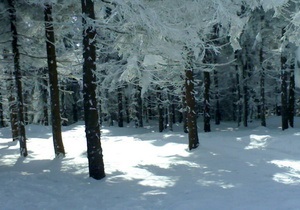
[[234, 168]]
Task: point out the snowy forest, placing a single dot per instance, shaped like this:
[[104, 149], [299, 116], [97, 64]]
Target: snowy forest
[[185, 67]]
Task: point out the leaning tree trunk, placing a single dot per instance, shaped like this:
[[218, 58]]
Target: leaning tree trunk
[[53, 82], [92, 128], [191, 103], [18, 77], [206, 105]]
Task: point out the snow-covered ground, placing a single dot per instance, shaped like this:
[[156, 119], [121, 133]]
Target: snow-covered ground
[[234, 168]]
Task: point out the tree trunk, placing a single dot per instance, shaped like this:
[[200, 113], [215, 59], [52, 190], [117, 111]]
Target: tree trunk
[[120, 107], [18, 77], [44, 90], [262, 76], [284, 96], [238, 88], [1, 112], [245, 92], [92, 129], [139, 106], [217, 111], [127, 110], [171, 112], [206, 102], [184, 113], [160, 111], [191, 103], [53, 82], [292, 96]]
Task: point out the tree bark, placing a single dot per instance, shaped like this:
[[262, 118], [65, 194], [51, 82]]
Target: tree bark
[[238, 88], [92, 129], [262, 76], [284, 96], [160, 110], [245, 91], [292, 96], [53, 82], [191, 103], [217, 111], [206, 102], [120, 107], [139, 106], [18, 77], [1, 112]]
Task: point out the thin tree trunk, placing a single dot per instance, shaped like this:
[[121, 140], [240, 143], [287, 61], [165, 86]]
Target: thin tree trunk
[[292, 96], [127, 110], [191, 103], [120, 107], [139, 107], [245, 93], [92, 128], [1, 112], [238, 88], [171, 112], [53, 82], [262, 76], [284, 91], [160, 111], [18, 77], [184, 113], [217, 111], [284, 100], [206, 104]]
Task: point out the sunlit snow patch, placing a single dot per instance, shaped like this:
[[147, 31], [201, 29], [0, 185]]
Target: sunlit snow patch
[[292, 176], [258, 141]]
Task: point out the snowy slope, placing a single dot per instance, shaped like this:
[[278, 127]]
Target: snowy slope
[[234, 168]]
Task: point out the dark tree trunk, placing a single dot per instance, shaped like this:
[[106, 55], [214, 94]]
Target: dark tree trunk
[[1, 113], [284, 91], [18, 77], [63, 106], [184, 113], [238, 88], [191, 103], [92, 128], [217, 111], [292, 96], [120, 107], [160, 109], [53, 82], [139, 107], [262, 98], [245, 93], [262, 77], [127, 110], [284, 96], [206, 101], [171, 112]]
